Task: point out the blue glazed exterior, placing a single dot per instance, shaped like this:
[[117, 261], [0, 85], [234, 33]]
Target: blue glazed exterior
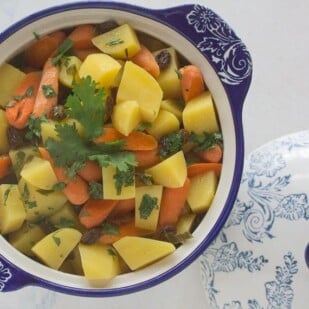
[[232, 62]]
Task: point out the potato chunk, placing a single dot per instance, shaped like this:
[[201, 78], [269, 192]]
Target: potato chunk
[[54, 248], [26, 237], [147, 206], [39, 173], [172, 106], [137, 84], [102, 68], [138, 252], [168, 78], [12, 210], [126, 116], [10, 78], [202, 191], [99, 262], [165, 123], [171, 172], [69, 68], [39, 203], [199, 115], [121, 42], [109, 186], [4, 143]]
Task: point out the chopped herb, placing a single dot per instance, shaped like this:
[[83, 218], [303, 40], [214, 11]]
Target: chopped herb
[[57, 240], [95, 190], [206, 140], [36, 36], [83, 213], [72, 170], [181, 103], [34, 127], [179, 75], [143, 126], [171, 143], [44, 192], [31, 204], [28, 93], [7, 193], [114, 41], [109, 229], [62, 50], [148, 204], [123, 178], [59, 186], [145, 178], [49, 91], [64, 222], [111, 252]]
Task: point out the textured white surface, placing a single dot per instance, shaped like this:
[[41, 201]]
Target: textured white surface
[[275, 34]]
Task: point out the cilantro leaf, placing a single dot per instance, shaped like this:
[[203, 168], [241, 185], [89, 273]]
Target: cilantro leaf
[[62, 50], [34, 126], [206, 140], [121, 160], [70, 148], [95, 190], [86, 104]]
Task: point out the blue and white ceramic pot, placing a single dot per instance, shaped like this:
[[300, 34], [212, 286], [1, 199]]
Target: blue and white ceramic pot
[[204, 39]]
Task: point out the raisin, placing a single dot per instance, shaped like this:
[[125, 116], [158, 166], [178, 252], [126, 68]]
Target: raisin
[[58, 112], [91, 236], [163, 59], [16, 137], [47, 227], [106, 26]]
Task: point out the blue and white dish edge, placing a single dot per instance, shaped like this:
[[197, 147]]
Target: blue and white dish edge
[[258, 259]]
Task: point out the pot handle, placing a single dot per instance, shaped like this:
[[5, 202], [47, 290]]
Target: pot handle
[[218, 43], [13, 278]]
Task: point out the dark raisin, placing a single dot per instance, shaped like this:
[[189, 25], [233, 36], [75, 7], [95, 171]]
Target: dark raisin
[[106, 26], [163, 59], [47, 227], [58, 112], [16, 137], [91, 236]]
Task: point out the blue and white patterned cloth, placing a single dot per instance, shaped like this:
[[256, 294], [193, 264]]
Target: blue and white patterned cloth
[[258, 259]]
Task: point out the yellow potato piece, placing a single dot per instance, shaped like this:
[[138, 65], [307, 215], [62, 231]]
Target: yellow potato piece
[[54, 248], [99, 262], [138, 252], [26, 237], [146, 218], [165, 123], [4, 143], [39, 173], [172, 106], [102, 68], [12, 210], [10, 78], [168, 78], [69, 68], [20, 157], [185, 223], [126, 116], [199, 115], [138, 85], [171, 172], [202, 191], [121, 42], [39, 203], [109, 186]]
